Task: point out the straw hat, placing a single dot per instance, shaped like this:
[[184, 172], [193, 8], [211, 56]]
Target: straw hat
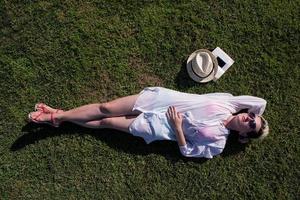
[[202, 66]]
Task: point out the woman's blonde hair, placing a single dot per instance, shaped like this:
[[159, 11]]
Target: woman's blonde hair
[[261, 134], [264, 129]]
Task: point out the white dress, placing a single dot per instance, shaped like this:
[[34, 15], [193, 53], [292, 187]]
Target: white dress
[[203, 117]]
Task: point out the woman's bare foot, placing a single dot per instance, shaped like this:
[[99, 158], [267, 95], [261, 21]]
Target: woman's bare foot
[[46, 109], [41, 117]]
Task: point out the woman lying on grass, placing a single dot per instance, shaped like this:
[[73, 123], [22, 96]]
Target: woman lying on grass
[[199, 123]]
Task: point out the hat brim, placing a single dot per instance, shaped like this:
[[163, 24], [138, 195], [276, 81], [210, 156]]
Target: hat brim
[[193, 75]]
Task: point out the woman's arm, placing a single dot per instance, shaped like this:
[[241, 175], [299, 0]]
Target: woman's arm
[[176, 120], [253, 104], [189, 148]]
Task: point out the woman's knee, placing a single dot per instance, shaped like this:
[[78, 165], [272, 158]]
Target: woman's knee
[[105, 108], [106, 122]]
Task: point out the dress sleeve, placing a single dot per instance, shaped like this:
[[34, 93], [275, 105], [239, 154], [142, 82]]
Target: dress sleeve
[[253, 104], [206, 151]]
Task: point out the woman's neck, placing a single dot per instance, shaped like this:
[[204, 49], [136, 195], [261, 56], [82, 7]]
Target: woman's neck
[[228, 122]]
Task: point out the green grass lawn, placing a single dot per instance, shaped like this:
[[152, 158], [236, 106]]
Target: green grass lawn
[[76, 52]]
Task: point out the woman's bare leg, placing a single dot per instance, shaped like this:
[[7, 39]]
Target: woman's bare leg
[[91, 112], [118, 123], [119, 107]]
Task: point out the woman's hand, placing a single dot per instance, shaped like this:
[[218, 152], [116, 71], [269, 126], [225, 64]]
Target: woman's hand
[[174, 117], [176, 120]]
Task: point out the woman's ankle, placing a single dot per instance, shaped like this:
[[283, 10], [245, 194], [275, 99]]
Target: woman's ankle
[[58, 117]]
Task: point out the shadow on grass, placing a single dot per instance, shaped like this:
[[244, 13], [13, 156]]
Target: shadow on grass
[[233, 146], [183, 80], [33, 133]]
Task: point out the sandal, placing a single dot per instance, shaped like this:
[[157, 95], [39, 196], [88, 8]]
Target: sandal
[[53, 122], [42, 107]]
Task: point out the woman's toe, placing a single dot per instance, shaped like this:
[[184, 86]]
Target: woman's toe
[[33, 115]]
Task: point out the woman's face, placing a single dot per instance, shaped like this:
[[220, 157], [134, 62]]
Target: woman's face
[[247, 122]]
